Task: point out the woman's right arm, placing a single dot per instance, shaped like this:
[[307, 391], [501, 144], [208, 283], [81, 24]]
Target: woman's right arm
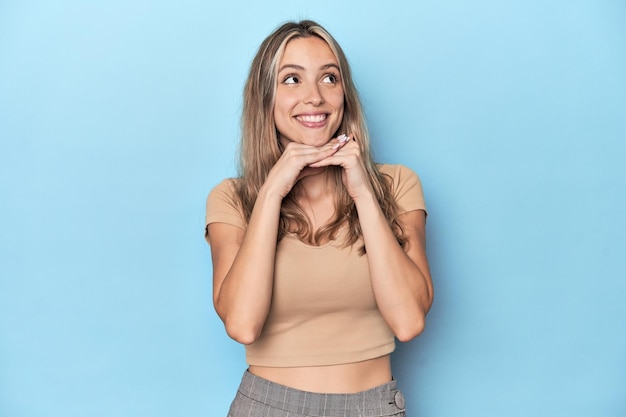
[[243, 261], [243, 269]]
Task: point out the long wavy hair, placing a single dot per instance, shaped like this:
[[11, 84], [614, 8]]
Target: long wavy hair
[[260, 147]]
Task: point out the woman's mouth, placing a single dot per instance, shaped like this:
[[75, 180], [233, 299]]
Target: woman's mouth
[[312, 120]]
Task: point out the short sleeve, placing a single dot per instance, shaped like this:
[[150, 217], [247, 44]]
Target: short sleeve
[[222, 205], [406, 187]]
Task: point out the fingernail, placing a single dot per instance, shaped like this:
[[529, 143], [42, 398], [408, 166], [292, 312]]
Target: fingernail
[[336, 145], [343, 138]]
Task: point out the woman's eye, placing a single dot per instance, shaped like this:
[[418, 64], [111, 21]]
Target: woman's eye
[[330, 78], [291, 79]]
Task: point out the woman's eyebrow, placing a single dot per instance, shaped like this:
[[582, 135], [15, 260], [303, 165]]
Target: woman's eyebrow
[[301, 68], [331, 65], [292, 66]]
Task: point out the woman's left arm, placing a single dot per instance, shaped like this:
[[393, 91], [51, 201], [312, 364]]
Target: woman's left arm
[[400, 276]]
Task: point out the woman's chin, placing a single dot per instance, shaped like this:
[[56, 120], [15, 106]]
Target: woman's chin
[[310, 140]]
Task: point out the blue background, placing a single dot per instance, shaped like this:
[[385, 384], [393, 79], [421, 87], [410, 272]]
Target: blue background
[[118, 117]]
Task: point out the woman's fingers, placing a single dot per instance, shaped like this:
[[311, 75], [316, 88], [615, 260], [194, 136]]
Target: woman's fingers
[[295, 163], [354, 173], [305, 155], [348, 153]]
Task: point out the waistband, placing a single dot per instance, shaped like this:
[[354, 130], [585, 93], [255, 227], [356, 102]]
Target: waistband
[[383, 400]]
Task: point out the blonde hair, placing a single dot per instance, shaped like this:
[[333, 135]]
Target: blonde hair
[[260, 147]]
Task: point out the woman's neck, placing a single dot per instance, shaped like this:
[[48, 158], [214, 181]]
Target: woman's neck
[[314, 187], [316, 199]]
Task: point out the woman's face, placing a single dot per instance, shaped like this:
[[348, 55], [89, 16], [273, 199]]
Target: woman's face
[[309, 94]]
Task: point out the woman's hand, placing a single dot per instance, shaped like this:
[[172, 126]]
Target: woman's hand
[[298, 161], [355, 176]]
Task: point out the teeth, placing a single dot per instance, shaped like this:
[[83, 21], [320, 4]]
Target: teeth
[[312, 118]]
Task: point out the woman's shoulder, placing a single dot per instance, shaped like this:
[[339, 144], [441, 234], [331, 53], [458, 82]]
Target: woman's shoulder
[[227, 184], [222, 204], [397, 172], [224, 192], [405, 186]]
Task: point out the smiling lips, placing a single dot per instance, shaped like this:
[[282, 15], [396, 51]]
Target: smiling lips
[[312, 120]]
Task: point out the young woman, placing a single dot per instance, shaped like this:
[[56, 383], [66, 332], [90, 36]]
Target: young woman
[[318, 253]]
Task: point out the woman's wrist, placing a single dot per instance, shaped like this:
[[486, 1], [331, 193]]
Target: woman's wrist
[[269, 195], [365, 198]]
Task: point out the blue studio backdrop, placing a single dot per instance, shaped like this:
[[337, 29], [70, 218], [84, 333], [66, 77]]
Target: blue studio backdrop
[[118, 117]]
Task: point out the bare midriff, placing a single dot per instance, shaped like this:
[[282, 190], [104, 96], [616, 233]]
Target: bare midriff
[[332, 379]]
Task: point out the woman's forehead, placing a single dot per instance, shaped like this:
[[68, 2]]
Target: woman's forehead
[[310, 49]]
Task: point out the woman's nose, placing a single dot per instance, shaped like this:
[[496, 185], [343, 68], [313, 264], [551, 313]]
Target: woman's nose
[[313, 95]]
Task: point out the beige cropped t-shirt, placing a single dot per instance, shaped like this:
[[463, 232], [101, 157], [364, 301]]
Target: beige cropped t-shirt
[[323, 310]]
